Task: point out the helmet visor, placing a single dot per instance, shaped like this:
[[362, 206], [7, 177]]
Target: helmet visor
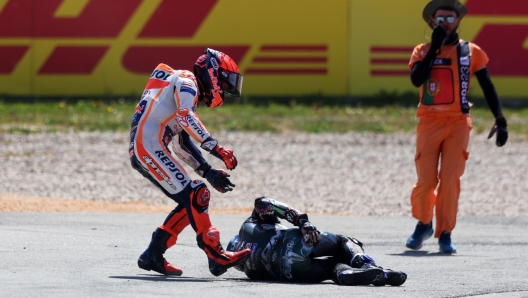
[[234, 84]]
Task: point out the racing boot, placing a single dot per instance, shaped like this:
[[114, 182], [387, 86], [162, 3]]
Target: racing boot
[[346, 275], [391, 278], [219, 259], [152, 258]]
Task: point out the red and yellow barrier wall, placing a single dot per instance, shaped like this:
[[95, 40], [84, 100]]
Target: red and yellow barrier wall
[[283, 47]]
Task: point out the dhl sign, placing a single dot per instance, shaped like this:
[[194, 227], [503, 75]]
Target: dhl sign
[[283, 47], [500, 27], [110, 47]]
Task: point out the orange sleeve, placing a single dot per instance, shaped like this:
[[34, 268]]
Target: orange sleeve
[[479, 58], [418, 54]]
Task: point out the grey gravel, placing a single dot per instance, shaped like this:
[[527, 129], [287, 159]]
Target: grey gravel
[[363, 174]]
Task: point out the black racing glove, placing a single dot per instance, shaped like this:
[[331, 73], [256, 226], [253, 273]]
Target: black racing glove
[[310, 233], [500, 129], [218, 179], [438, 37]]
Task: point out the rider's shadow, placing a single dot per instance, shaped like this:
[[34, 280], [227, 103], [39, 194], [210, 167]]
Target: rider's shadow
[[422, 253], [157, 278], [168, 278]]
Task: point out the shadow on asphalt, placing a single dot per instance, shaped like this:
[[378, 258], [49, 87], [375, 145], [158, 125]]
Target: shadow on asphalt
[[412, 253], [157, 278], [163, 278]]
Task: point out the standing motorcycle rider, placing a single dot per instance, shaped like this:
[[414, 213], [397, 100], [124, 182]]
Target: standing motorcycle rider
[[165, 113], [303, 254]]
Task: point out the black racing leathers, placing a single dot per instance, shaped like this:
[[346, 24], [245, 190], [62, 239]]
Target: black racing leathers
[[279, 253]]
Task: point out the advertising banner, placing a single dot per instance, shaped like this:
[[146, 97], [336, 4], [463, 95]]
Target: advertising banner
[[283, 47], [383, 34], [110, 47]]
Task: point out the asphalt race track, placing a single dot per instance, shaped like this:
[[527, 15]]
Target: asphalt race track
[[94, 255]]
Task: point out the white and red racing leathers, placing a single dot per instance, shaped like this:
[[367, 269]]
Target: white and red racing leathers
[[167, 110]]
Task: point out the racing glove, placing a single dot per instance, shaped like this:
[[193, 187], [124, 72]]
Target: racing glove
[[218, 179], [310, 233], [500, 129], [226, 155]]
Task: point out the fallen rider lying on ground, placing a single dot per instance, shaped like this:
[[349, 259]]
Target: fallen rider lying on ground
[[304, 254]]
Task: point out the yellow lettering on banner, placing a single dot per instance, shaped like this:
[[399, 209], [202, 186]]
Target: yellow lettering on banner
[[2, 4], [70, 8]]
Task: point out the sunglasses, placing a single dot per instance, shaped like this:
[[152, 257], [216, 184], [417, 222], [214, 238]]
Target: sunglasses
[[448, 19]]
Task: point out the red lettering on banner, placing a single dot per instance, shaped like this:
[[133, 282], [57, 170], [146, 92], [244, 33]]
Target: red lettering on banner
[[504, 46], [294, 48], [502, 42], [259, 59], [10, 56], [100, 18], [143, 59], [497, 7], [382, 60], [73, 60], [287, 71], [15, 19], [289, 53], [178, 18]]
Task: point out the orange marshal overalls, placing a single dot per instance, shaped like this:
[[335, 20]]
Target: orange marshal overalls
[[442, 136]]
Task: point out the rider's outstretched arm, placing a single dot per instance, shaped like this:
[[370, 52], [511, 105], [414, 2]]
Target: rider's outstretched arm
[[269, 209]]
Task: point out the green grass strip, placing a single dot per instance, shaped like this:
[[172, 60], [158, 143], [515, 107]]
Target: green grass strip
[[86, 115]]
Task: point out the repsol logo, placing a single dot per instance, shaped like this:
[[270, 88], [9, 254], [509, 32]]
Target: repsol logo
[[172, 167], [196, 126]]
